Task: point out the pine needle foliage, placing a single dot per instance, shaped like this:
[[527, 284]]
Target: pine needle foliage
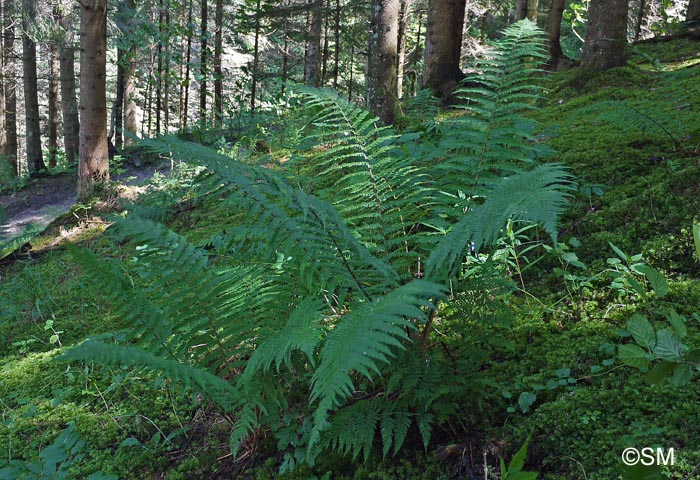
[[317, 282]]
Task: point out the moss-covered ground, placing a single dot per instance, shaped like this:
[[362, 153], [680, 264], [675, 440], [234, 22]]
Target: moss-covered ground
[[632, 138]]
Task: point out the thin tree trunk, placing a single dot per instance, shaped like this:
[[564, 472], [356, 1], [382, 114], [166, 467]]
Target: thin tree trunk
[[218, 72], [10, 72], [53, 102], [313, 46], [416, 55], [520, 9], [93, 168], [256, 54], [35, 160], [3, 137], [69, 104], [533, 10], [336, 49], [693, 12], [352, 66], [324, 68], [166, 78], [640, 19], [188, 59], [203, 66], [556, 55], [130, 115], [381, 68], [401, 53], [159, 72]]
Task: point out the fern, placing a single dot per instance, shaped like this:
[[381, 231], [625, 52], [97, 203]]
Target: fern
[[313, 283]]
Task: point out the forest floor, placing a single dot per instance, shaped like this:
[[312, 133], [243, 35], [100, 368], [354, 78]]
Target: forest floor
[[631, 137], [46, 198]]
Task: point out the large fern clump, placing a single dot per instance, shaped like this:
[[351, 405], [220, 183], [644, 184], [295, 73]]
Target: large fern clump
[[320, 294]]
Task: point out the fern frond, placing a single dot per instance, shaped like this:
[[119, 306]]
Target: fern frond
[[537, 196], [214, 387]]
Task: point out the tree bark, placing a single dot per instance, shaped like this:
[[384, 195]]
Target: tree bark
[[53, 102], [606, 35], [401, 52], [185, 88], [324, 56], [693, 12], [533, 10], [443, 46], [381, 68], [35, 160], [218, 72], [313, 46], [10, 72], [256, 55], [3, 137], [203, 65], [93, 168], [159, 71], [640, 19], [69, 104], [520, 9], [166, 78], [416, 56], [556, 55], [130, 115], [336, 49]]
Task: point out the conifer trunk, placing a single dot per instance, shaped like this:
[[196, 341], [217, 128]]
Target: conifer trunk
[[312, 74], [218, 72], [10, 84], [256, 54], [93, 168], [203, 64], [381, 68], [35, 160], [53, 102], [69, 104], [443, 46], [556, 54], [606, 36], [188, 62], [693, 12], [336, 49], [401, 49]]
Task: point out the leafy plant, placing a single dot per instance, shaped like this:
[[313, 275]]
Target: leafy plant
[[328, 275]]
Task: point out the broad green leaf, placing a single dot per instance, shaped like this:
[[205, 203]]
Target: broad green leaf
[[677, 323], [641, 330], [563, 372], [660, 372], [633, 355], [694, 357], [668, 347], [526, 400], [657, 280], [682, 375], [636, 286], [622, 255]]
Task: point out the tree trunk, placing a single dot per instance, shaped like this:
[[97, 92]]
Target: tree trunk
[[520, 9], [10, 72], [443, 46], [401, 53], [159, 71], [606, 35], [324, 69], [53, 102], [313, 46], [93, 169], [69, 104], [35, 160], [416, 56], [166, 78], [218, 72], [336, 49], [693, 12], [203, 66], [533, 10], [640, 19], [256, 55], [556, 55], [3, 137], [381, 68], [185, 88]]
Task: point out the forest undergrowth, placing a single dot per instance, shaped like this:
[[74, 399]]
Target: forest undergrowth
[[553, 348]]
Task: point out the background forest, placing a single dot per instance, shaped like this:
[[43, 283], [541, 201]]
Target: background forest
[[349, 239]]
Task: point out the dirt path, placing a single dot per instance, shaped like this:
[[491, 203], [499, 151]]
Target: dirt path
[[49, 197]]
